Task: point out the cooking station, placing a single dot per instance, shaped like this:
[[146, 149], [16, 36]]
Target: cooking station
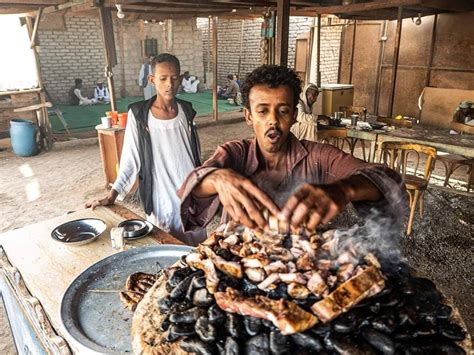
[[35, 272]]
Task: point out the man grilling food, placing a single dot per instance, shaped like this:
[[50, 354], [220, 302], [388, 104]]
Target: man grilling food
[[303, 183]]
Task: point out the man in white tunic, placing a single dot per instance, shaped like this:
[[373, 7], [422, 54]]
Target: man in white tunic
[[101, 94], [160, 148], [189, 83], [143, 79]]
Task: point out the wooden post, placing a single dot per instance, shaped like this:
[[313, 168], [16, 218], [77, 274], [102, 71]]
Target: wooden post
[[396, 52], [214, 68], [310, 53], [352, 51], [383, 39], [283, 26], [209, 54], [318, 53], [108, 65], [241, 47], [432, 49]]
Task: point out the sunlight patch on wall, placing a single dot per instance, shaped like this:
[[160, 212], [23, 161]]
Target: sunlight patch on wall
[[17, 61]]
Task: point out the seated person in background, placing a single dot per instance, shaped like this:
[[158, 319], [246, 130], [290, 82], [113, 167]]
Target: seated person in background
[[101, 94], [76, 95], [237, 79], [306, 126], [189, 83], [464, 114], [230, 91]]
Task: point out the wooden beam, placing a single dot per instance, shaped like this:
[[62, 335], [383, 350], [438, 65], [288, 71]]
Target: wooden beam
[[108, 62], [432, 49], [449, 5], [353, 51], [35, 28], [318, 54], [362, 7], [214, 69], [283, 26], [396, 53], [383, 40], [239, 64]]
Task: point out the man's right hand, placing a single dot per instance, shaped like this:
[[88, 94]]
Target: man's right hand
[[241, 199], [106, 201]]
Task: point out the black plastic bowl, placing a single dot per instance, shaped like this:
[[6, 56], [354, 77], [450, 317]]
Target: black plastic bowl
[[133, 228]]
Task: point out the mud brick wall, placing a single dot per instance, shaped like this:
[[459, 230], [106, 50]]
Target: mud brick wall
[[76, 51], [229, 32]]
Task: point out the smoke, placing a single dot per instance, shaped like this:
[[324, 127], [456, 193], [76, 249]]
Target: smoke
[[378, 234]]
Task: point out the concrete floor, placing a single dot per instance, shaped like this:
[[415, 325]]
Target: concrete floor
[[440, 247]]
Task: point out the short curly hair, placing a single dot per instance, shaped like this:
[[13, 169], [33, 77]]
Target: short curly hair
[[165, 58], [272, 76]]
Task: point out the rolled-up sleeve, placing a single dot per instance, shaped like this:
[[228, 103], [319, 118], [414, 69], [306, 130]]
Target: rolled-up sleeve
[[197, 212], [337, 165]]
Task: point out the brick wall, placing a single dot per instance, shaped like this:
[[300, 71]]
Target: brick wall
[[330, 47], [76, 52], [229, 46]]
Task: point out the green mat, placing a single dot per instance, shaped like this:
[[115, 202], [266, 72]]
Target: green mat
[[85, 118]]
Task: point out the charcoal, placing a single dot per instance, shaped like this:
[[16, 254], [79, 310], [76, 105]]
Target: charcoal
[[451, 331], [205, 330], [307, 341], [279, 343], [252, 325], [194, 345], [379, 341], [231, 346]]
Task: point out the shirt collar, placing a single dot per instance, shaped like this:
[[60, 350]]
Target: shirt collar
[[296, 152]]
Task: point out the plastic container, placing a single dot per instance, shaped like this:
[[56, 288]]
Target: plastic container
[[23, 137]]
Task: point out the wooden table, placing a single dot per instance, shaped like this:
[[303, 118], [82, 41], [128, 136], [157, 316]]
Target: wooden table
[[440, 139], [37, 270]]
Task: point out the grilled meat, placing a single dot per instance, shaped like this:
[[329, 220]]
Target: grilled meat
[[351, 292], [136, 286], [287, 316]]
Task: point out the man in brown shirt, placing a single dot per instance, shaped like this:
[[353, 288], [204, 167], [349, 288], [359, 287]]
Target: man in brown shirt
[[303, 183]]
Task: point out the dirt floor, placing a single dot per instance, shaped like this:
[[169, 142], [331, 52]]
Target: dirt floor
[[50, 184]]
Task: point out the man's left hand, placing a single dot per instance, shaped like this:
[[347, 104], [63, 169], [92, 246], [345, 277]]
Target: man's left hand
[[313, 204]]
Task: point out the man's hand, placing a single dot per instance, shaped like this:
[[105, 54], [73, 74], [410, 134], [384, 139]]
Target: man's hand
[[313, 204], [106, 201], [243, 200]]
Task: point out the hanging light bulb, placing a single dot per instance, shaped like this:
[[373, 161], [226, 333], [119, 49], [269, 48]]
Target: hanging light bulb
[[120, 13], [418, 20], [234, 10]]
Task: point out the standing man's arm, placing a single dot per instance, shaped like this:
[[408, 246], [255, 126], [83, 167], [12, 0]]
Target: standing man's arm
[[129, 166]]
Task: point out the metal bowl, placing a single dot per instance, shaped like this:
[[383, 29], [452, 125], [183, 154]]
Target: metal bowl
[[133, 228], [79, 232]]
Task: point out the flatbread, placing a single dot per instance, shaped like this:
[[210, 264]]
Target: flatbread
[[146, 336]]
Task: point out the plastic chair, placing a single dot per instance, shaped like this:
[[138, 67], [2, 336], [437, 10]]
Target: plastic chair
[[396, 155]]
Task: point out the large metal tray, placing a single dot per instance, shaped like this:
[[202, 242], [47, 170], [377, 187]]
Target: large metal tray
[[97, 321]]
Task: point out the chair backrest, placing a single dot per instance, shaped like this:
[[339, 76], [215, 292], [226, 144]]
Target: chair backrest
[[396, 155], [359, 110], [461, 127], [335, 137]]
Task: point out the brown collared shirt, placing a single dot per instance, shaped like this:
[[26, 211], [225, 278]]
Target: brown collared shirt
[[306, 162]]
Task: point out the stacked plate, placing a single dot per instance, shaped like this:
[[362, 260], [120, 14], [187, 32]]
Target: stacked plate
[[135, 228]]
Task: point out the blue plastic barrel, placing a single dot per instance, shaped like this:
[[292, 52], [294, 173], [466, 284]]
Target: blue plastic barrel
[[23, 137]]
